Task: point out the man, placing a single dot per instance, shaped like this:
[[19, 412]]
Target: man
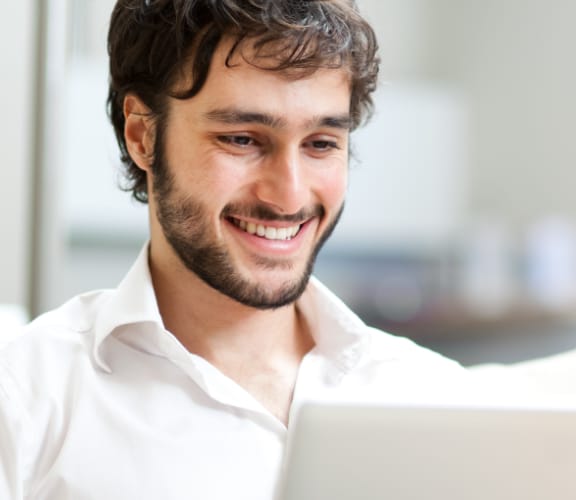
[[233, 118]]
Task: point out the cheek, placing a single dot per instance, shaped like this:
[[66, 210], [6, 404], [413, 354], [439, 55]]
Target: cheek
[[206, 175], [334, 186]]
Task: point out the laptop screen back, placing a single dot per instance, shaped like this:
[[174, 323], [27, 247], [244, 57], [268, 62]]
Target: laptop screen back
[[379, 452]]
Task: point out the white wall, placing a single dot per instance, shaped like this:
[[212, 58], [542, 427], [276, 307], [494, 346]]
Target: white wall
[[17, 85], [522, 79]]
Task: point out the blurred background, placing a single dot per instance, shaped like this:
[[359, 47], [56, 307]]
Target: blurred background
[[460, 226]]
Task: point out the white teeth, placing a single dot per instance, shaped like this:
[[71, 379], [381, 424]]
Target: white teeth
[[270, 233]]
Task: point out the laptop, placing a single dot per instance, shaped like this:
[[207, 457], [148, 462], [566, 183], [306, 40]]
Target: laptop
[[345, 452]]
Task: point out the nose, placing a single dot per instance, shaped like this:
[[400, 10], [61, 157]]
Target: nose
[[283, 182]]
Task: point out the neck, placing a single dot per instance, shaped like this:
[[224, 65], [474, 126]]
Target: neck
[[260, 349]]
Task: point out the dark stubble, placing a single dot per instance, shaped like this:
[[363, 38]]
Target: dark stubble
[[185, 223]]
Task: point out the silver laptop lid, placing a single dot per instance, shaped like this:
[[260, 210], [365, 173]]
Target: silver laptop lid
[[379, 452]]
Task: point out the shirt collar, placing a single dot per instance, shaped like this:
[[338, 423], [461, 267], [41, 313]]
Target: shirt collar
[[339, 334], [134, 301]]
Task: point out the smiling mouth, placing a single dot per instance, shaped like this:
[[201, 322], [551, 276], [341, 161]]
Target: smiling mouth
[[268, 232]]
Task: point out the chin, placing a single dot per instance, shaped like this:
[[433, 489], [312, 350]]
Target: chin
[[268, 293]]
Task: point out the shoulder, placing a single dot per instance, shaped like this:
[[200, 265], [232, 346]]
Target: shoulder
[[384, 346], [76, 315], [396, 369], [68, 323], [47, 348], [42, 370]]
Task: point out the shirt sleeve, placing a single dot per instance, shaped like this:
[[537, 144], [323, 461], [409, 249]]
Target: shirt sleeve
[[11, 421]]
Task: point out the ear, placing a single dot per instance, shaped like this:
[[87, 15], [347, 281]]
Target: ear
[[139, 131]]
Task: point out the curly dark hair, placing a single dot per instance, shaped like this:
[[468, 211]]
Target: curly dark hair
[[151, 43]]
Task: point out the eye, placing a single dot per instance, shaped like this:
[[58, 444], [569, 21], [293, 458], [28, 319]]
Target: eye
[[241, 141], [324, 145]]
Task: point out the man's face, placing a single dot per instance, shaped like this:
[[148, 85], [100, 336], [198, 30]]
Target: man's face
[[250, 176]]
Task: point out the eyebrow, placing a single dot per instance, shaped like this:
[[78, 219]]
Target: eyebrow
[[230, 116]]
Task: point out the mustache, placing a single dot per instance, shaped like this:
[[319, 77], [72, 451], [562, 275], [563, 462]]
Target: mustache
[[266, 213]]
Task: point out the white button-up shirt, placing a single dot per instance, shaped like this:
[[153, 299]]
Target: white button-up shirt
[[99, 401]]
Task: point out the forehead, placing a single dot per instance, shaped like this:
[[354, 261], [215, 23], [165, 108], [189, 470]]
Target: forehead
[[239, 75]]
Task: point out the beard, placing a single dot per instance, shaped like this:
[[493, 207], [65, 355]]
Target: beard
[[185, 224]]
